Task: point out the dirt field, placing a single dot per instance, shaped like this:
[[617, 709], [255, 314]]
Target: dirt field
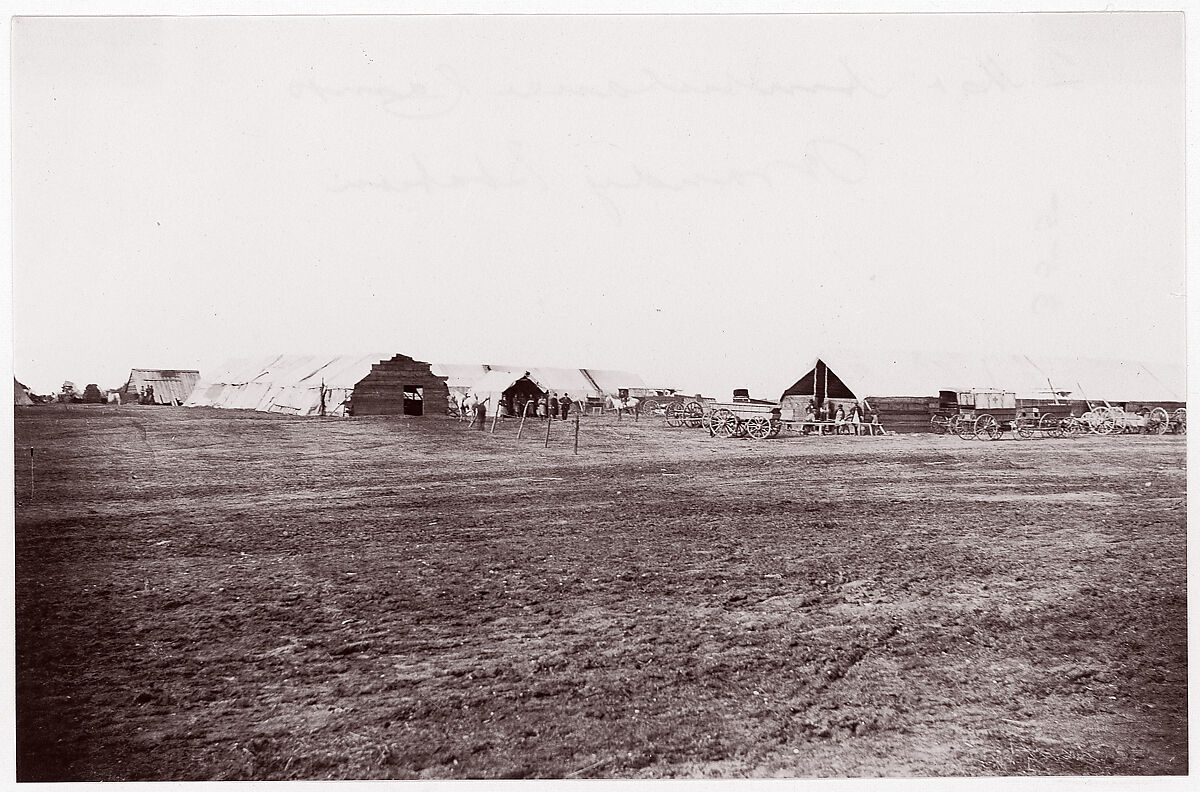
[[225, 595]]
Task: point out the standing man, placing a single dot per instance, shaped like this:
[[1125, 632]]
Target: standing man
[[565, 405], [553, 405]]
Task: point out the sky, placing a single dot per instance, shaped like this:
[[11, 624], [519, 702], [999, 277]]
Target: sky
[[704, 200]]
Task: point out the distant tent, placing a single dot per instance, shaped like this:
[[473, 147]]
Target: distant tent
[[820, 384], [160, 386], [580, 384], [336, 385], [610, 382], [459, 376], [20, 395], [92, 394]]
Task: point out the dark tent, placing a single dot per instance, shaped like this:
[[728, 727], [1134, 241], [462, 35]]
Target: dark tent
[[20, 394], [820, 384]]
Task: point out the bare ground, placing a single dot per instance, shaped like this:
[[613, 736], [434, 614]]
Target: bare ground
[[211, 595]]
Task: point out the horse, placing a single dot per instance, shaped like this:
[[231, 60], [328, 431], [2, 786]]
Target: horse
[[627, 406]]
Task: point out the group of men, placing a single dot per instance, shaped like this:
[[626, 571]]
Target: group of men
[[553, 407], [844, 422]]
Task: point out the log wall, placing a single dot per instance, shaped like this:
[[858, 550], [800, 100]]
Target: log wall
[[913, 413], [382, 391], [904, 413]]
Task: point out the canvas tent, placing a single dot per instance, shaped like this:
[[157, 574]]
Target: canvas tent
[[20, 395], [164, 386], [819, 384], [499, 386], [579, 383], [459, 376], [336, 385]]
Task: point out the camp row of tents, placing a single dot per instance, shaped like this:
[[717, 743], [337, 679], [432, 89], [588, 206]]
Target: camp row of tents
[[337, 385], [310, 385]]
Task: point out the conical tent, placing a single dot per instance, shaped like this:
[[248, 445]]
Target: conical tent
[[819, 384], [20, 395]]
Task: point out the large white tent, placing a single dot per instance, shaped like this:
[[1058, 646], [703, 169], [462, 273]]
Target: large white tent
[[580, 384], [292, 384], [491, 387]]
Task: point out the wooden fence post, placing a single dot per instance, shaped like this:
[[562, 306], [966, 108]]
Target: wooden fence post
[[524, 412], [577, 433]]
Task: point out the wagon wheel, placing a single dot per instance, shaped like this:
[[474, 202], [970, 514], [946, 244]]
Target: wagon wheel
[[1051, 425], [694, 412], [965, 427], [1071, 426], [674, 414], [939, 424], [1179, 418], [1025, 428], [758, 427], [649, 406], [1158, 421], [722, 423], [986, 426], [952, 423], [1102, 421]]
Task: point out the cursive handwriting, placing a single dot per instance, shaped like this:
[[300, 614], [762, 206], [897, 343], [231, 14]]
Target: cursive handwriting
[[437, 96]]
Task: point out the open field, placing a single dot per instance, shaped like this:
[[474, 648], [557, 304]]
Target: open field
[[228, 595]]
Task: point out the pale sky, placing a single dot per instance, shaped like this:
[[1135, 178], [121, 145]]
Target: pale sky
[[705, 200]]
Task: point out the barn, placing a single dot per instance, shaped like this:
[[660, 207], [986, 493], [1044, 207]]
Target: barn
[[159, 386], [333, 385]]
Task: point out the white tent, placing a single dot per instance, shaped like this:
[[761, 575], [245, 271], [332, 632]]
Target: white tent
[[490, 388], [580, 384], [292, 384], [459, 376]]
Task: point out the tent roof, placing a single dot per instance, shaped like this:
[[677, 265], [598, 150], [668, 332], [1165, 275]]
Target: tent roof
[[498, 381], [459, 375], [336, 371], [170, 385], [612, 380], [20, 394]]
